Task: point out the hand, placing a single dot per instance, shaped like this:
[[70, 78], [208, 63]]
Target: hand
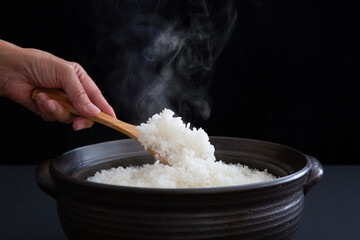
[[21, 70]]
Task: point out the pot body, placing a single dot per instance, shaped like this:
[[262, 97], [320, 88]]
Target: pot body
[[268, 210]]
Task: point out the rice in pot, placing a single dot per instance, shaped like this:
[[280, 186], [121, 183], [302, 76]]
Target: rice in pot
[[190, 155]]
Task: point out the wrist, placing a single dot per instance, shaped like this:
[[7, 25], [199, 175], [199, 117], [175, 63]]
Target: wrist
[[11, 65]]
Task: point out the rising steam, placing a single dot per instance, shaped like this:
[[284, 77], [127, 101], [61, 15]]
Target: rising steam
[[167, 50]]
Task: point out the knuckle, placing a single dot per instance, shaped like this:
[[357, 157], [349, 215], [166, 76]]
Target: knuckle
[[82, 94], [74, 64]]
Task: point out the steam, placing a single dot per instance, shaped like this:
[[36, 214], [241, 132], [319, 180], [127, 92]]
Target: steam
[[167, 52]]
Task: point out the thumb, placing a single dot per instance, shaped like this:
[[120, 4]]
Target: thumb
[[77, 95]]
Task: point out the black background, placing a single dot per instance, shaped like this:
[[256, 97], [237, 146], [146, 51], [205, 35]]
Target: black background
[[289, 74]]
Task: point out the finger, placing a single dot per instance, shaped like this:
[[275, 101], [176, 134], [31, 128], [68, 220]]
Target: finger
[[93, 91], [50, 110], [77, 94], [44, 112], [98, 99], [81, 123]]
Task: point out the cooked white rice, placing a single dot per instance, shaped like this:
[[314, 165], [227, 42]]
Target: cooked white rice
[[190, 155]]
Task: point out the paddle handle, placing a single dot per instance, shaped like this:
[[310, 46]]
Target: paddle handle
[[101, 117]]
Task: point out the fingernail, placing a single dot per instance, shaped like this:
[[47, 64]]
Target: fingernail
[[78, 127], [92, 109]]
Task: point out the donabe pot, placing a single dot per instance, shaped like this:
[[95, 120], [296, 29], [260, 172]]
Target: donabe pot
[[267, 210]]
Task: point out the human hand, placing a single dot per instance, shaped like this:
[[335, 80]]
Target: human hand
[[21, 70]]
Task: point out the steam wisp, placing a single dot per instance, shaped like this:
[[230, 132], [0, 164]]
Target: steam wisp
[[167, 52]]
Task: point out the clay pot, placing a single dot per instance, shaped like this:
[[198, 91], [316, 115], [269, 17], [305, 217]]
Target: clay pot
[[267, 210]]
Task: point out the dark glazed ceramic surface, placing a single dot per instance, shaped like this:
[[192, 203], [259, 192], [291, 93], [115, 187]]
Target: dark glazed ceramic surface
[[268, 210]]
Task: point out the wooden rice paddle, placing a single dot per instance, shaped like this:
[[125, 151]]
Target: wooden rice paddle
[[101, 117]]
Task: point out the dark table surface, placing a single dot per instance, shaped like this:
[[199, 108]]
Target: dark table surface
[[332, 207]]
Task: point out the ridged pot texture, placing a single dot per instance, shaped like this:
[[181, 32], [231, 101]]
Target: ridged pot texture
[[268, 210]]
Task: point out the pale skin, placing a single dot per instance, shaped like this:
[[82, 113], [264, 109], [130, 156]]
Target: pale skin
[[22, 70]]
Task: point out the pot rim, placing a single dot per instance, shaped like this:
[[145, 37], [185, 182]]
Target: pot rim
[[207, 190]]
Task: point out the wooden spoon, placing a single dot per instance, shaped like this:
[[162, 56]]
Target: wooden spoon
[[101, 117]]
